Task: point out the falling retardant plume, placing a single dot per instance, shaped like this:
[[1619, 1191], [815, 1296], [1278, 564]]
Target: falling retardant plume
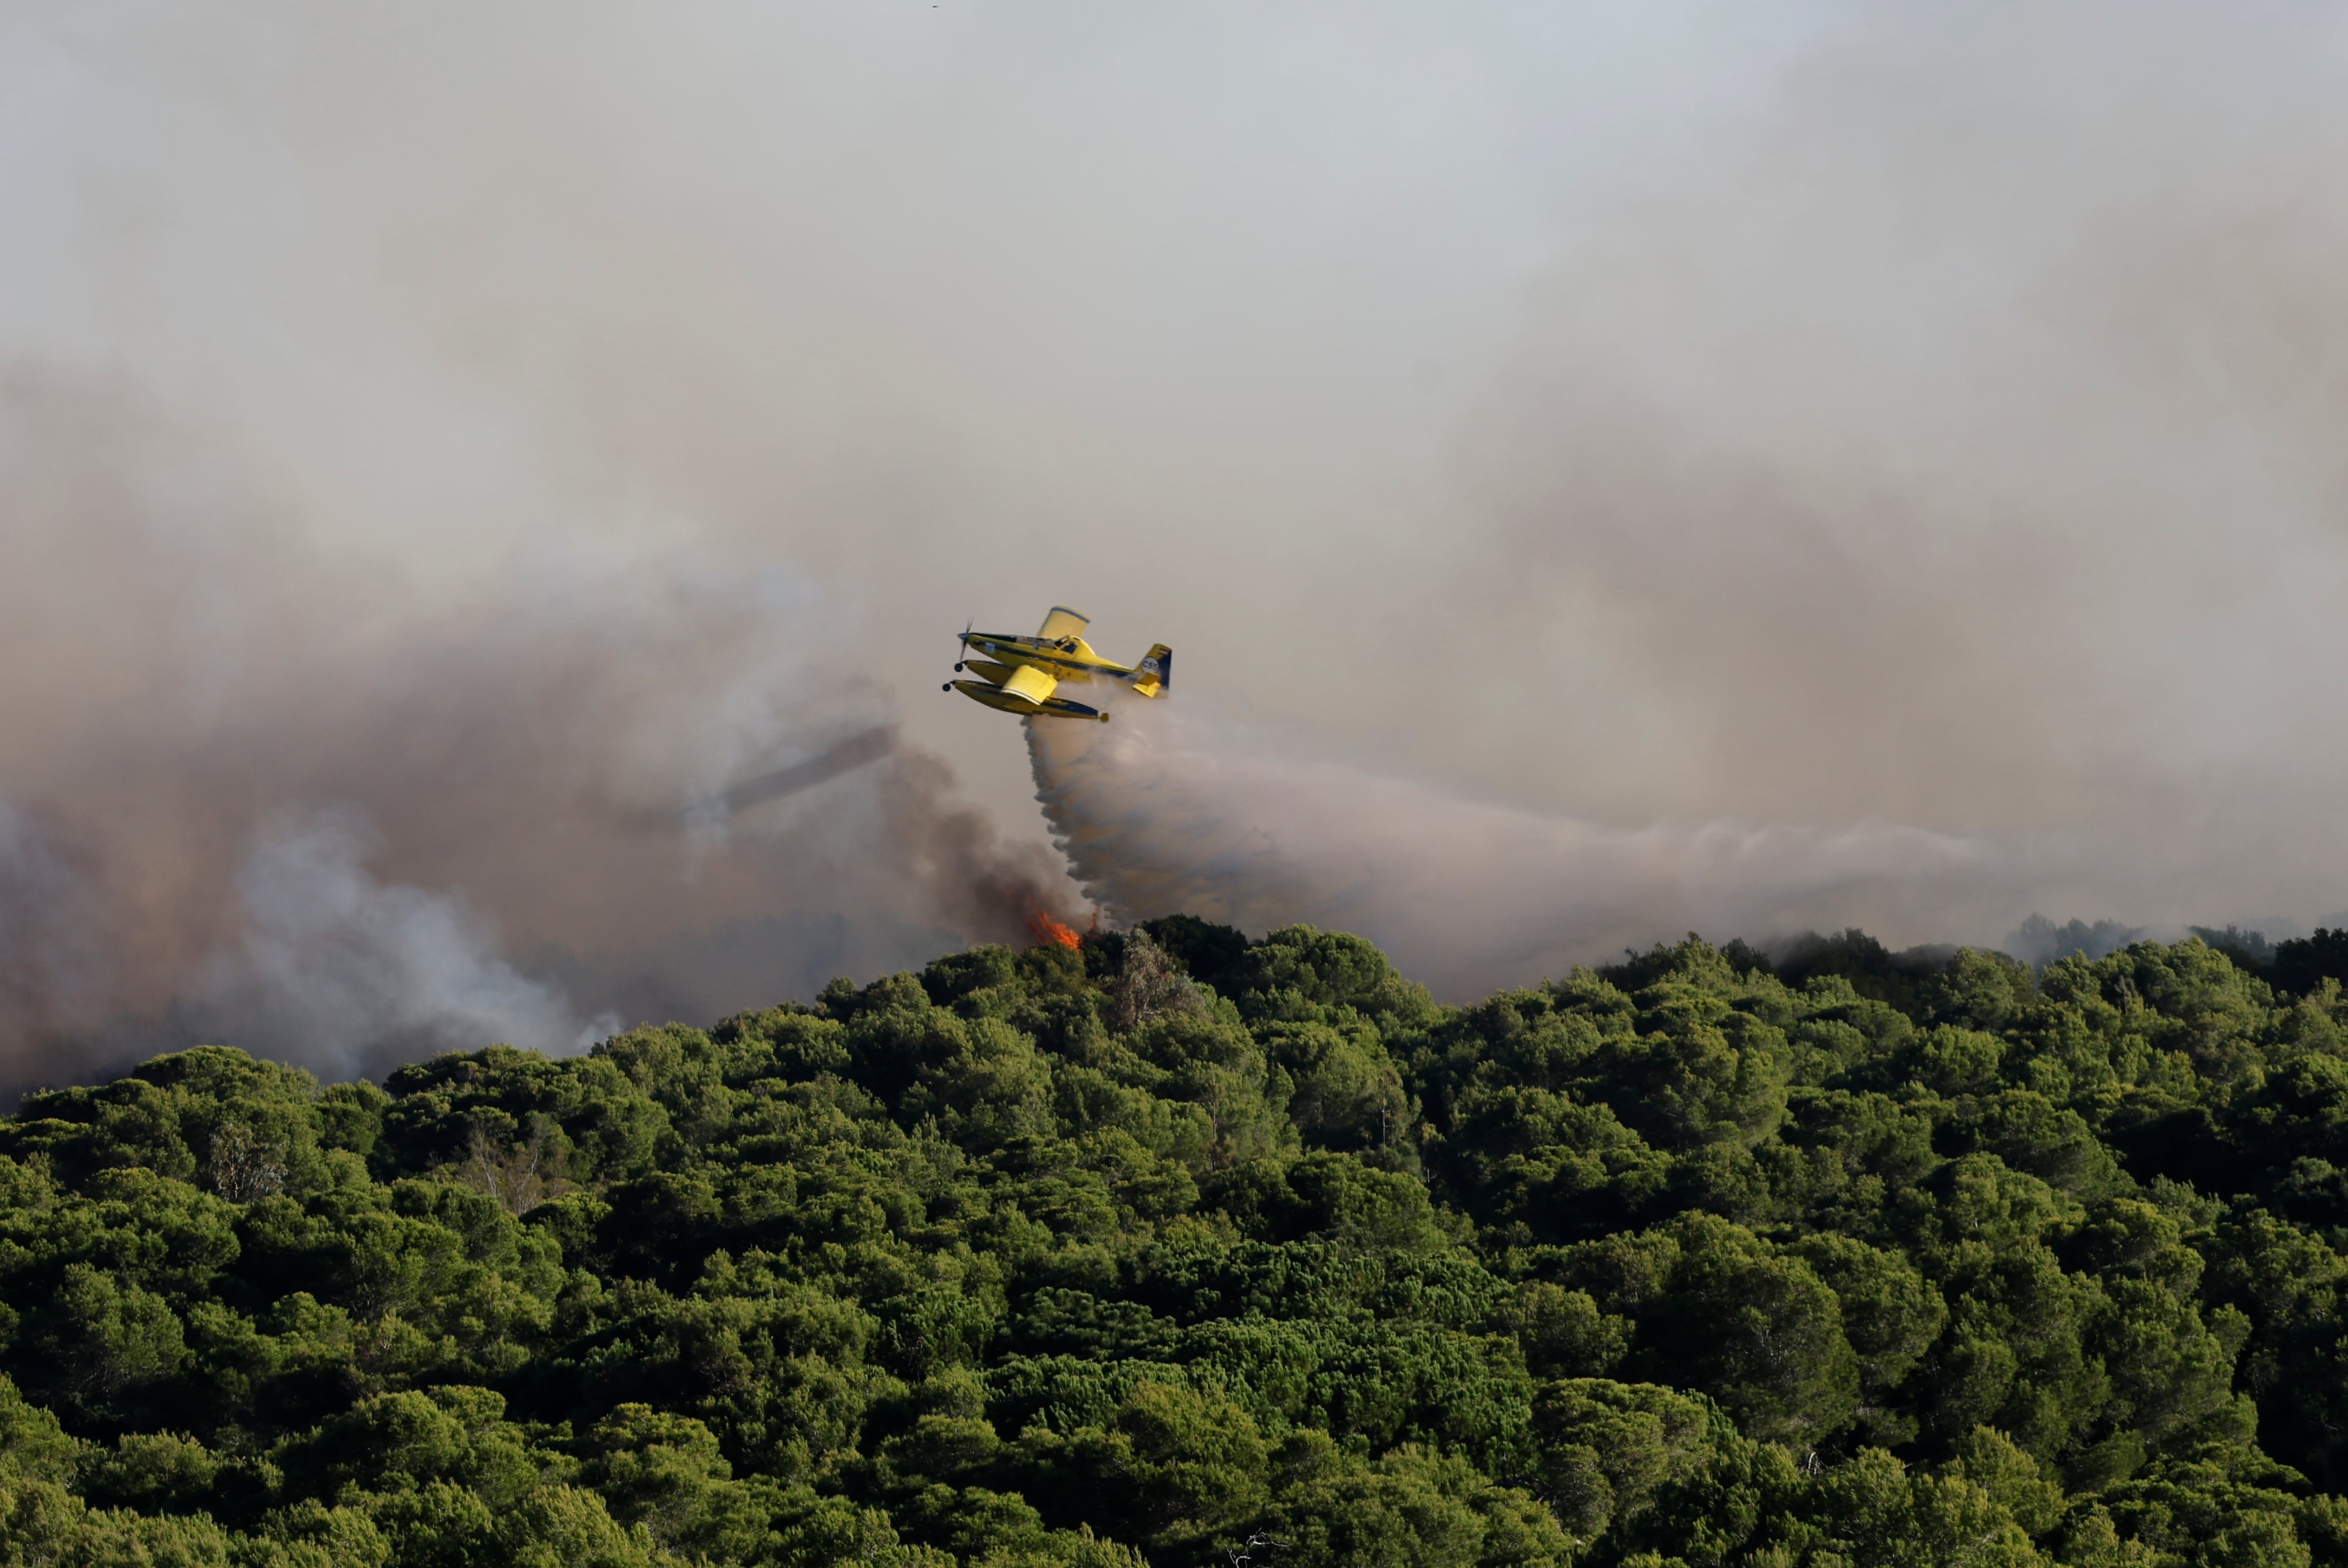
[[269, 796], [1169, 809]]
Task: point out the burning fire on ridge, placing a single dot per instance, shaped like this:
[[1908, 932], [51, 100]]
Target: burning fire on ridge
[[1051, 933]]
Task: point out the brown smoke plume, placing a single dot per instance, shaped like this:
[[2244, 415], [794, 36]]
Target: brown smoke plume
[[267, 795]]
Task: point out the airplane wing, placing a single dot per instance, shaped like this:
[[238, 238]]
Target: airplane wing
[[1063, 622], [1030, 684]]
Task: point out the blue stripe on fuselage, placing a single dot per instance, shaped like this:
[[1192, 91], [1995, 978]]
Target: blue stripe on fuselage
[[1026, 650]]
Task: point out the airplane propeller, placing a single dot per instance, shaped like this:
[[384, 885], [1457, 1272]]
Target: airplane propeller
[[964, 642]]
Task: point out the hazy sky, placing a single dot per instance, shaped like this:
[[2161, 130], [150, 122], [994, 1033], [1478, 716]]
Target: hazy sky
[[1178, 316], [1796, 415]]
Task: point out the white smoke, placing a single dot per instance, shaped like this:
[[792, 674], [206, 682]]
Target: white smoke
[[339, 969], [1171, 809]]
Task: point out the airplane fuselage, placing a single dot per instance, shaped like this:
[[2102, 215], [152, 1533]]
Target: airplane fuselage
[[1067, 658]]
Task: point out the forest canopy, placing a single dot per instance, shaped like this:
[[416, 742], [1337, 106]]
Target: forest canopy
[[1074, 1258]]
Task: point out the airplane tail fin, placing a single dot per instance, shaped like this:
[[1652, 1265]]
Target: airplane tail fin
[[1154, 676]]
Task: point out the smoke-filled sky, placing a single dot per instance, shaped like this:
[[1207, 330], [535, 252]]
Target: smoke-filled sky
[[1627, 464]]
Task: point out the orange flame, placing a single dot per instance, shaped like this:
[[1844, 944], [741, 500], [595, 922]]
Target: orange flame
[[1051, 933]]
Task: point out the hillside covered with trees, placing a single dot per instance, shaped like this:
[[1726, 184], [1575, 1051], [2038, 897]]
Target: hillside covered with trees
[[1123, 1254]]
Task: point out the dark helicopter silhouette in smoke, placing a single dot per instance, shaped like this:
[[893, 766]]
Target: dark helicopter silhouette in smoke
[[702, 813], [864, 746]]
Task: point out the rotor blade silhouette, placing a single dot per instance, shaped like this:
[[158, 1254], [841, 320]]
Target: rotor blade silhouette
[[866, 746]]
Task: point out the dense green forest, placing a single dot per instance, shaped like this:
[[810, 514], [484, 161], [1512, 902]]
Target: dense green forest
[[1126, 1253]]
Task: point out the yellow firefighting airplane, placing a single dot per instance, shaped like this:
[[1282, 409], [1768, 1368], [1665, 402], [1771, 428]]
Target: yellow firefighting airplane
[[1021, 673]]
